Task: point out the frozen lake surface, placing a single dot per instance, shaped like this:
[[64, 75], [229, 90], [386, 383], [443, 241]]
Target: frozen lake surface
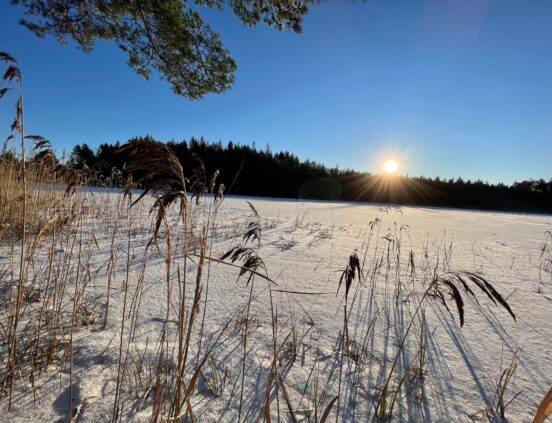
[[450, 376]]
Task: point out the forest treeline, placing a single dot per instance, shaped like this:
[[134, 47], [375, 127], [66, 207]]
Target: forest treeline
[[253, 171]]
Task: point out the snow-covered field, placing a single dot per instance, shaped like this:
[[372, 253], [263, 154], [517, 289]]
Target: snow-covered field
[[444, 373]]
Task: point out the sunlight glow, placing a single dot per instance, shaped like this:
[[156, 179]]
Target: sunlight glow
[[390, 167]]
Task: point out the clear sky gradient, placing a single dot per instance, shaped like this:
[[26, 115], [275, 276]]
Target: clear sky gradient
[[448, 87]]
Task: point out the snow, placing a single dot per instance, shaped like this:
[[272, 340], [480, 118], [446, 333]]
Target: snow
[[305, 247]]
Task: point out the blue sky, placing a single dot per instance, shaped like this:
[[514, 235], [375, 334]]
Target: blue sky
[[450, 88]]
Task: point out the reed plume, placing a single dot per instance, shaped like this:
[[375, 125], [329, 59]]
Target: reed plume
[[160, 173]]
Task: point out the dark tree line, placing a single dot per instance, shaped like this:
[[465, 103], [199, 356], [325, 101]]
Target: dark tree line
[[249, 170]]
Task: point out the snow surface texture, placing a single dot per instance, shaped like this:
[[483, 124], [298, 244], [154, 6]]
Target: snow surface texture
[[305, 247]]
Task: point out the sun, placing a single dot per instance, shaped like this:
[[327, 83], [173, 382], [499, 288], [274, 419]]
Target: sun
[[390, 167]]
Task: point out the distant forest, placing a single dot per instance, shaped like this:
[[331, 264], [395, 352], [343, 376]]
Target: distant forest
[[252, 171]]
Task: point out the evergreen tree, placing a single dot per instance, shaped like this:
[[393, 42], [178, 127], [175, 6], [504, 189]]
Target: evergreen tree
[[168, 36], [82, 155], [282, 174]]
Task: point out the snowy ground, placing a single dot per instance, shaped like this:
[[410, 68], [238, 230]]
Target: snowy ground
[[305, 247]]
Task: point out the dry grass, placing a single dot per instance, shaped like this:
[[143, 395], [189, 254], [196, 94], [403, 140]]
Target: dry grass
[[161, 376], [545, 408], [49, 297]]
